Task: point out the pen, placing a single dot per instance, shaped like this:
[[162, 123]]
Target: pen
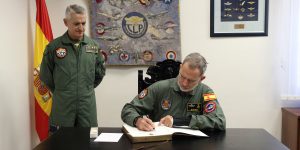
[[147, 116]]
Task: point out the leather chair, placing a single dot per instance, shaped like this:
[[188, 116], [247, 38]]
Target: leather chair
[[166, 69]]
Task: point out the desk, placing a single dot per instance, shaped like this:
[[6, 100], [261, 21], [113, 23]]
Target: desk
[[290, 133], [231, 139]]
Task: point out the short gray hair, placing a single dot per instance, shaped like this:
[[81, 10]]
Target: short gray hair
[[195, 60], [74, 9]]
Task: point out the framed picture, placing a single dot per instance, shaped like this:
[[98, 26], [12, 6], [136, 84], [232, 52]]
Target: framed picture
[[136, 32], [234, 18]]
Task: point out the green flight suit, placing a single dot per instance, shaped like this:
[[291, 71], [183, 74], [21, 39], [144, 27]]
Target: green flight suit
[[72, 71], [165, 98]]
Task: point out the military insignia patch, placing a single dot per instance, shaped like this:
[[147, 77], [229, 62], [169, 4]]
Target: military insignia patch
[[209, 97], [61, 53], [143, 94], [171, 55], [124, 56], [195, 107], [166, 104], [147, 55], [210, 107]]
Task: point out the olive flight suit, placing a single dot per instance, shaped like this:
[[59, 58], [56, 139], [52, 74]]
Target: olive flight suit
[[71, 71], [165, 98]]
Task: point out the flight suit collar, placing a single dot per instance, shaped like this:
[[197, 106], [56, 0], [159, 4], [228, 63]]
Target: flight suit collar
[[66, 39], [176, 88]]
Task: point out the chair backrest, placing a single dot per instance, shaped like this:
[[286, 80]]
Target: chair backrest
[[166, 69]]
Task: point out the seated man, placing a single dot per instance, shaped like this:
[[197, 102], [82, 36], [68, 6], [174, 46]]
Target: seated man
[[178, 101]]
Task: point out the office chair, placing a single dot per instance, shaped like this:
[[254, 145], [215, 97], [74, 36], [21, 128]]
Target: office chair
[[166, 69]]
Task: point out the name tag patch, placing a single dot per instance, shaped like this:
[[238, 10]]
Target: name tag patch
[[194, 107], [91, 49]]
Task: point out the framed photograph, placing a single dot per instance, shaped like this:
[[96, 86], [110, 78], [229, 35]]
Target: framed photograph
[[234, 18]]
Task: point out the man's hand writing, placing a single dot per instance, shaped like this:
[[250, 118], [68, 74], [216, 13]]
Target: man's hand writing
[[145, 124]]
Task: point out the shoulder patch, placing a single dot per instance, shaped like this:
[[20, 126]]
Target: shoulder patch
[[143, 94], [210, 107], [209, 96]]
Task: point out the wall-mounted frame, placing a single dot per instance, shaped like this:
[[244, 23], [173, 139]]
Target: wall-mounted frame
[[234, 18]]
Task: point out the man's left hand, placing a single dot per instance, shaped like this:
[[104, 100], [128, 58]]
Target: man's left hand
[[167, 121]]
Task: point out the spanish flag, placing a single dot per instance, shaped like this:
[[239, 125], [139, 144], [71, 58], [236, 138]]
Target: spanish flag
[[42, 96], [209, 97]]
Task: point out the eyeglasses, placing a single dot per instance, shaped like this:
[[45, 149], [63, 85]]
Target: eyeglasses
[[181, 77]]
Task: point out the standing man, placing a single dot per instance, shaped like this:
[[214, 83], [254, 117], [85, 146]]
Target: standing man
[[179, 101], [71, 68]]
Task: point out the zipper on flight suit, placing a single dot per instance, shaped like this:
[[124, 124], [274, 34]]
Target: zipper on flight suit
[[76, 50]]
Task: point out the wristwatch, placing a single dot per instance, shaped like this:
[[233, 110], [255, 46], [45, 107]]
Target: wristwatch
[[135, 120]]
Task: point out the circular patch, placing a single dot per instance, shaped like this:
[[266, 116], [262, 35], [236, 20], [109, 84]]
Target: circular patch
[[143, 94], [124, 56], [61, 52], [210, 107], [134, 25], [171, 55], [147, 55], [100, 28], [165, 104]]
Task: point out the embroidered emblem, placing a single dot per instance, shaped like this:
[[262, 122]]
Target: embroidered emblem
[[171, 55], [166, 104], [143, 94], [100, 28], [210, 107], [209, 97], [61, 53], [134, 25], [124, 56], [147, 55]]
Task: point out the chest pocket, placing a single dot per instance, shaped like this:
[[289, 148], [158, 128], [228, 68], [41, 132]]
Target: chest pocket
[[88, 62]]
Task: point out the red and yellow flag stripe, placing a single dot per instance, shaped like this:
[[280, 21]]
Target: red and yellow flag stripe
[[209, 97], [42, 96]]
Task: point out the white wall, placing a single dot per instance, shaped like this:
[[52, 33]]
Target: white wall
[[14, 76], [244, 72]]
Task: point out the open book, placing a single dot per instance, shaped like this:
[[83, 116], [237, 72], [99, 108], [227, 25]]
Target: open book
[[160, 133]]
